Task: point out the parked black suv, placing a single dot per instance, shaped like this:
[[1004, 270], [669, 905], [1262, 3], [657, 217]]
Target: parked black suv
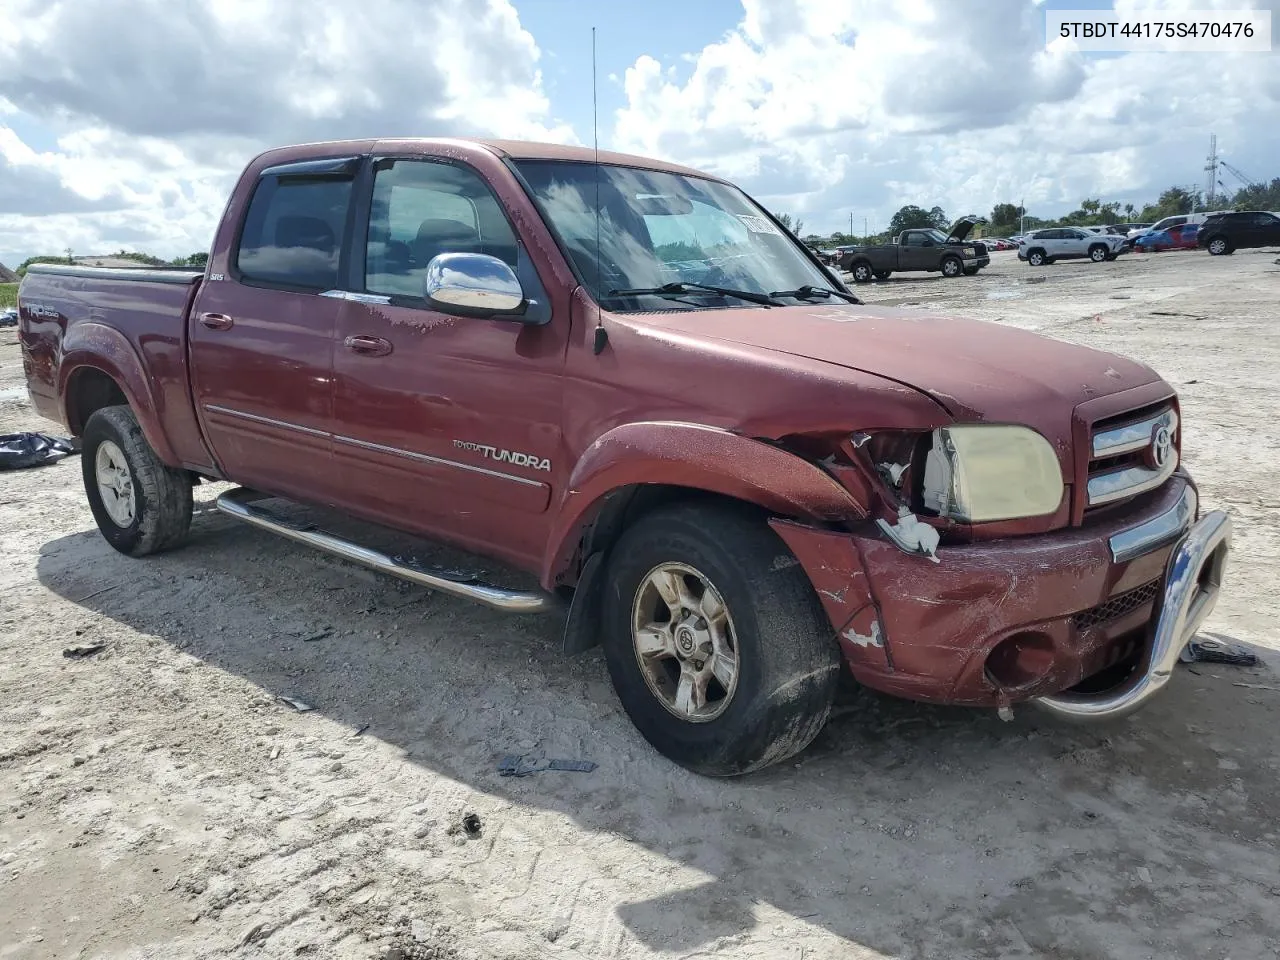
[[1226, 232]]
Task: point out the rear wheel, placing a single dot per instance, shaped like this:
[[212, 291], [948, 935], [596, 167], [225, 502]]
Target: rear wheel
[[1218, 246], [970, 271], [141, 505], [719, 653], [862, 272], [952, 267], [1098, 253]]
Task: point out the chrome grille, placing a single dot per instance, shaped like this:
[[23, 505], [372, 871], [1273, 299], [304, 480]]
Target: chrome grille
[[1132, 457]]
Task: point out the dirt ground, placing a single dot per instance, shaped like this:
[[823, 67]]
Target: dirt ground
[[159, 800]]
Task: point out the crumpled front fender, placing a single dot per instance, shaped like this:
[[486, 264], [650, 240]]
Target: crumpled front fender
[[700, 458]]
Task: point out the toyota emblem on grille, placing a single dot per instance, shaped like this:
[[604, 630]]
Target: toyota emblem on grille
[[1161, 445]]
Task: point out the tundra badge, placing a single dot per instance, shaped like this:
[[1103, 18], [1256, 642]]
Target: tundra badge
[[505, 456]]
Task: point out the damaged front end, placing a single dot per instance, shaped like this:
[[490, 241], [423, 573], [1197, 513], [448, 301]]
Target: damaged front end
[[970, 582]]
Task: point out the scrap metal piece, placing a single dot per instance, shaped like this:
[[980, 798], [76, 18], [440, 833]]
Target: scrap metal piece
[[522, 765]]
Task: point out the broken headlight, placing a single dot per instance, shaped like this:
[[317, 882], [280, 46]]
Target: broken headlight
[[980, 472]]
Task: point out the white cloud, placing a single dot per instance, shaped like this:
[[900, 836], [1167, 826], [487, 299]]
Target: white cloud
[[821, 108], [158, 105]]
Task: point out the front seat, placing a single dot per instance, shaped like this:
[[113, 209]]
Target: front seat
[[443, 236]]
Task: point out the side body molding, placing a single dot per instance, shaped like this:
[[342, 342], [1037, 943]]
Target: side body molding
[[699, 457]]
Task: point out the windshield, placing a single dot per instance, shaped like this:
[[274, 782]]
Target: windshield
[[661, 228], [937, 236]]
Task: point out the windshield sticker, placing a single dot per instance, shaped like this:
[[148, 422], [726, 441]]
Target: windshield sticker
[[758, 224]]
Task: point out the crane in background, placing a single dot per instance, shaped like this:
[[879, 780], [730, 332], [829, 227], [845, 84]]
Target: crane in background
[[1212, 163]]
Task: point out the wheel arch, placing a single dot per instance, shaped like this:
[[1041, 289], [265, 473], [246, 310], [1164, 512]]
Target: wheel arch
[[637, 466], [99, 368]]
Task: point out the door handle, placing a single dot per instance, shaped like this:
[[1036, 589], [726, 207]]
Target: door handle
[[216, 321], [368, 346]]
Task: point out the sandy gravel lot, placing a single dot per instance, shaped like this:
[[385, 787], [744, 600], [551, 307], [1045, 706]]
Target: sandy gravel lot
[[158, 800]]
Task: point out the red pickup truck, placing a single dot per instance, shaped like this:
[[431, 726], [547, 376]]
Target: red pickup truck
[[628, 379]]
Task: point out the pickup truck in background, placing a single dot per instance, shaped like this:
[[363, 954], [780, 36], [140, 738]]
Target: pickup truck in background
[[739, 482], [931, 249]]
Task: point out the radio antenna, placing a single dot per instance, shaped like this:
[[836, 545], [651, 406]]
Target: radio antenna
[[602, 335]]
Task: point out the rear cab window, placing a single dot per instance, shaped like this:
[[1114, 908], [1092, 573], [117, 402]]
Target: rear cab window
[[293, 232]]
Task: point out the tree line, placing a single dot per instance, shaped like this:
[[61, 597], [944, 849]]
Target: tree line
[[145, 259], [1006, 219]]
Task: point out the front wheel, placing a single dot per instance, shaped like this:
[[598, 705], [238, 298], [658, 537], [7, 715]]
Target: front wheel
[[952, 267], [1218, 246], [862, 273], [883, 274], [141, 505], [1097, 253], [715, 641], [971, 271]]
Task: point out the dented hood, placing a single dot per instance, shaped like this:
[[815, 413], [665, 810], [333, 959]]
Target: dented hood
[[977, 370]]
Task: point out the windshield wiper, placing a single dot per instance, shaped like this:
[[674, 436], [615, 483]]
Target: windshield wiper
[[810, 292], [679, 287]]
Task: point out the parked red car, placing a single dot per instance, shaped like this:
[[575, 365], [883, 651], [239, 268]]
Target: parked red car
[[734, 475]]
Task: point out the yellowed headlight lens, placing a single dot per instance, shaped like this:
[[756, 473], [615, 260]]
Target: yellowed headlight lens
[[999, 473]]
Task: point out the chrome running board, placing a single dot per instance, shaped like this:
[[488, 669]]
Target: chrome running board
[[239, 504]]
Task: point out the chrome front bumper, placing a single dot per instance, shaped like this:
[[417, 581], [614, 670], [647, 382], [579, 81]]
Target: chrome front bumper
[[1191, 584]]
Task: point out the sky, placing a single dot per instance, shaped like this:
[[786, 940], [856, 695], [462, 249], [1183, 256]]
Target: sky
[[123, 123]]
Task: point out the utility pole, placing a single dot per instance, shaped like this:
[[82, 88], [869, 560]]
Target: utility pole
[[1022, 217], [865, 232], [850, 224], [1211, 168]]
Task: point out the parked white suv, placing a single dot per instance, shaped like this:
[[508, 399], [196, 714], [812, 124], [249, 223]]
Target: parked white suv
[[1067, 243]]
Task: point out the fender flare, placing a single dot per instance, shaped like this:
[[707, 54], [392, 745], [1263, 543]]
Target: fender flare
[[698, 457], [99, 347]]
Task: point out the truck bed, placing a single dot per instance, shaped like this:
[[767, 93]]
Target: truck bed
[[75, 317]]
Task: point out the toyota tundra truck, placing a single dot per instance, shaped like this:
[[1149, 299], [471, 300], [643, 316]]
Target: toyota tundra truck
[[626, 378]]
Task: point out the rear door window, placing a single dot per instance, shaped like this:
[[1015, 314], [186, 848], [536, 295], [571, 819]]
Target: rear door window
[[293, 232]]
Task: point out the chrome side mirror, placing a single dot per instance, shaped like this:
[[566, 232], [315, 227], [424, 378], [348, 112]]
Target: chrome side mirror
[[473, 283]]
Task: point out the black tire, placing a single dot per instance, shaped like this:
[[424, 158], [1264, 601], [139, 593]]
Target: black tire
[[1098, 252], [952, 267], [971, 271], [883, 274], [161, 495], [788, 662], [1218, 246], [1037, 258], [862, 272]]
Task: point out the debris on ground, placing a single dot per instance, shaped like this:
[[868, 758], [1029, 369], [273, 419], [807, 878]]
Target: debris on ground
[[1212, 650], [521, 765], [299, 705], [471, 825], [97, 593], [82, 651], [21, 450]]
